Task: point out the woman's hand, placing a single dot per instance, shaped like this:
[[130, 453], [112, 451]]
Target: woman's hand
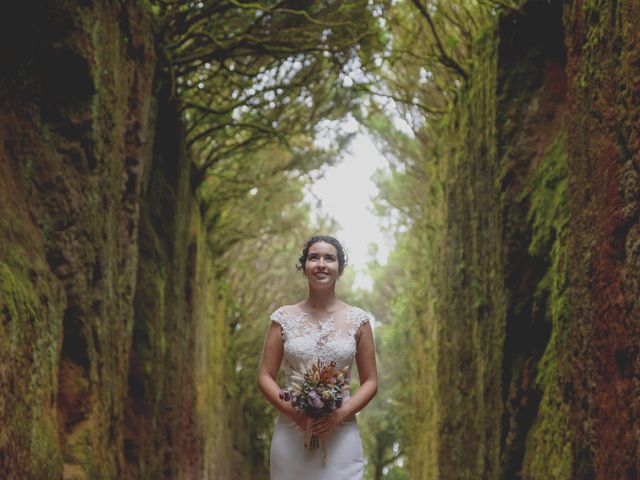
[[325, 425], [300, 418]]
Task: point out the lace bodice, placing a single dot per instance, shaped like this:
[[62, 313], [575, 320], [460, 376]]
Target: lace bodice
[[308, 337]]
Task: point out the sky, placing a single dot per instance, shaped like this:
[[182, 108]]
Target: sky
[[345, 193]]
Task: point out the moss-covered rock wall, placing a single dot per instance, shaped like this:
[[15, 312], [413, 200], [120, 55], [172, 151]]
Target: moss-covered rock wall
[[537, 315], [604, 234], [471, 297], [77, 128], [532, 154], [110, 319]]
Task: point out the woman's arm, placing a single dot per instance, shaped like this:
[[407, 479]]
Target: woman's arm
[[368, 374], [272, 355]]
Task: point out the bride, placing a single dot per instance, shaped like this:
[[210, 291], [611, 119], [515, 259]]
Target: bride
[[319, 327]]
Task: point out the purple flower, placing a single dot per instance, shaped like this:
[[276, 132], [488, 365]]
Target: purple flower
[[314, 399], [285, 395]]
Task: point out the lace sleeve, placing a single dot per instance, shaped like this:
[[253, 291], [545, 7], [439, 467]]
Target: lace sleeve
[[280, 317], [358, 318], [363, 318]]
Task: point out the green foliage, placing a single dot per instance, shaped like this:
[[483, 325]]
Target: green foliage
[[256, 74], [549, 446], [549, 450], [548, 213]]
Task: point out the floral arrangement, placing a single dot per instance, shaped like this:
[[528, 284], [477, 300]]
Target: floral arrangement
[[317, 392]]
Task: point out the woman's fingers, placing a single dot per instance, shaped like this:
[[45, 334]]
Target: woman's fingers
[[322, 426], [317, 426]]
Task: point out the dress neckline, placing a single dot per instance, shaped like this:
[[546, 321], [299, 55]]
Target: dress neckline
[[329, 315]]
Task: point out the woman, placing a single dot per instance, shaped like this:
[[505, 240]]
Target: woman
[[320, 327]]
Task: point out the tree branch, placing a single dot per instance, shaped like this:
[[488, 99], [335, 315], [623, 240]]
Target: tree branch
[[445, 58], [405, 101]]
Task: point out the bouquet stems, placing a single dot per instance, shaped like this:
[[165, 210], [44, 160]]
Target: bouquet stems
[[324, 450], [311, 441]]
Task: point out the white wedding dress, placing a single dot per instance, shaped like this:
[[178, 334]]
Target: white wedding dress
[[308, 338]]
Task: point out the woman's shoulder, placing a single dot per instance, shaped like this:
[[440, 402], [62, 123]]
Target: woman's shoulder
[[281, 314], [359, 315], [356, 309]]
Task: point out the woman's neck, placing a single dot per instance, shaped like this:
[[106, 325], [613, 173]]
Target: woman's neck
[[321, 301]]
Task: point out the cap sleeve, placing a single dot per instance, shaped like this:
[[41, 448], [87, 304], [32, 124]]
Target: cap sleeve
[[358, 318], [363, 317], [280, 317]]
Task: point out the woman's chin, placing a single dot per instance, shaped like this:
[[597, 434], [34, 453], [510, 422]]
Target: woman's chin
[[324, 283]]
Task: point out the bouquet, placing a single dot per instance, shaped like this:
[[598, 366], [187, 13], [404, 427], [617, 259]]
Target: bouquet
[[318, 394]]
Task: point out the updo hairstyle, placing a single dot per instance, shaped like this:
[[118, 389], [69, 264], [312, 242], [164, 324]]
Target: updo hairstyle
[[342, 256]]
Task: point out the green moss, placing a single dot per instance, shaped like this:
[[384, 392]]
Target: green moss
[[212, 362], [548, 451], [28, 348], [79, 448], [45, 451], [597, 29], [18, 297], [548, 211], [549, 444], [456, 306]]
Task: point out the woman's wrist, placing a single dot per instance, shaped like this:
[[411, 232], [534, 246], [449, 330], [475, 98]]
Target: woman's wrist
[[291, 411], [342, 414], [346, 409]]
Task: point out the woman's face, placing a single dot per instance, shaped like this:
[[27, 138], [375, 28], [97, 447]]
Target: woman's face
[[321, 267]]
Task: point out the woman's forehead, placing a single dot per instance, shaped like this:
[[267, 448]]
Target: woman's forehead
[[323, 247]]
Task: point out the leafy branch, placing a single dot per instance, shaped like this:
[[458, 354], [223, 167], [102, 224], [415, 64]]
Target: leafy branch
[[446, 59]]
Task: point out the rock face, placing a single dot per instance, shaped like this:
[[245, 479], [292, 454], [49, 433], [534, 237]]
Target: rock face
[[539, 309], [604, 234], [78, 123], [103, 352]]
